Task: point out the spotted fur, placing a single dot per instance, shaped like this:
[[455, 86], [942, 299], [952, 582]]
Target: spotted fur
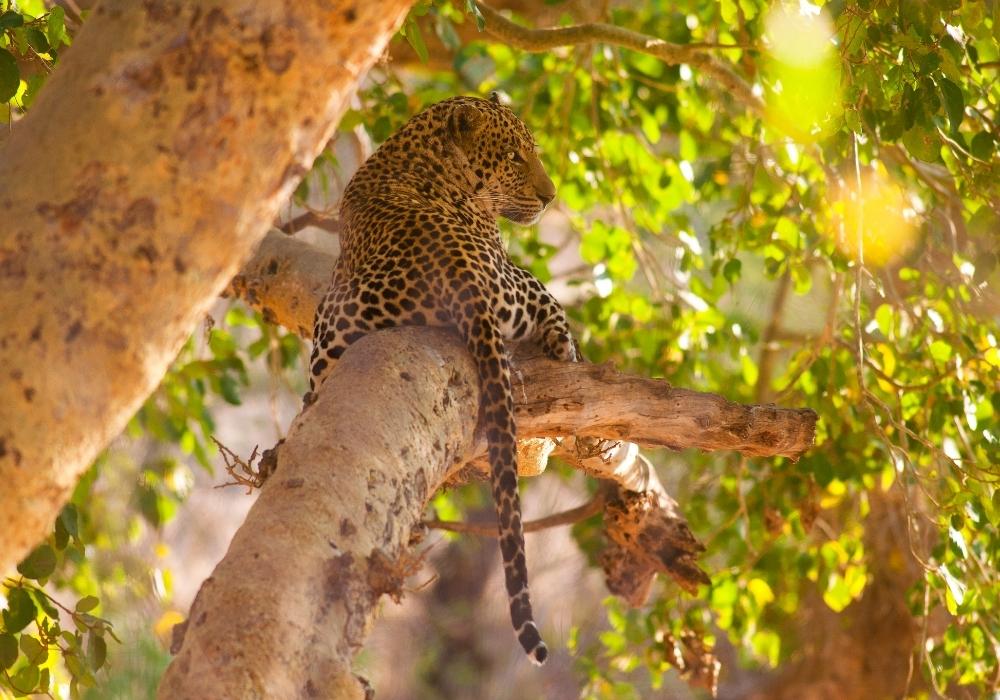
[[420, 246]]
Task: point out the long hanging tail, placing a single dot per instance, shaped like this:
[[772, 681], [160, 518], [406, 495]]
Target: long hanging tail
[[498, 417]]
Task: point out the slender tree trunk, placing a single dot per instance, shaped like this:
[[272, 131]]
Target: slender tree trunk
[[132, 193]]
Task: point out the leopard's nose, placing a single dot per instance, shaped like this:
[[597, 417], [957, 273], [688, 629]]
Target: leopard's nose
[[545, 189]]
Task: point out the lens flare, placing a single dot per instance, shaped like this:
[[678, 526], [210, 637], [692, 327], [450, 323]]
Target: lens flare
[[874, 223], [802, 72]]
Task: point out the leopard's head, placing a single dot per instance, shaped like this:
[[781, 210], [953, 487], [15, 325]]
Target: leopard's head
[[501, 156]]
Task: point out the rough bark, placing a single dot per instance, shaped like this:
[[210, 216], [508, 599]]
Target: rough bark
[[132, 193], [288, 607]]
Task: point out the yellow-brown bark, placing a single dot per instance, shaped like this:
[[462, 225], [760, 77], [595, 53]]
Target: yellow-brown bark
[[131, 194]]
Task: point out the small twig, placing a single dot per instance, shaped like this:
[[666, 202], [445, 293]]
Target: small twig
[[251, 477], [310, 218], [568, 517], [768, 349]]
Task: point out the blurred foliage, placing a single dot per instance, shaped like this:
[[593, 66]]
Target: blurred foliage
[[837, 249]]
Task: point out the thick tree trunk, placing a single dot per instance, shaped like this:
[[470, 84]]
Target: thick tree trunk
[[132, 193]]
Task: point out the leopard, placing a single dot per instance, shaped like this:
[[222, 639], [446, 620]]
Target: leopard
[[420, 245]]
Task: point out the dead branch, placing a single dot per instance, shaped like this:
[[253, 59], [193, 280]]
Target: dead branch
[[244, 472]]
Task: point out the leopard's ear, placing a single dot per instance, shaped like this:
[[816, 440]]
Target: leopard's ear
[[464, 121], [495, 97]]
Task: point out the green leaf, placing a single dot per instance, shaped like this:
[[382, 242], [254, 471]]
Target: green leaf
[[11, 19], [727, 9], [56, 27], [731, 270], [87, 603], [761, 591], [958, 543], [70, 519], [229, 389], [31, 8], [39, 564], [922, 144], [956, 590], [416, 40], [941, 351], [954, 102], [473, 9], [650, 127], [61, 535], [8, 650], [592, 243], [10, 76], [381, 129], [44, 604], [97, 651], [25, 680], [33, 649], [750, 371], [802, 278], [982, 145], [37, 40], [749, 9], [885, 319], [446, 33]]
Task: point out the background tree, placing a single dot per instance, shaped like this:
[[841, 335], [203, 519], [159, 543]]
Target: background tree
[[799, 206]]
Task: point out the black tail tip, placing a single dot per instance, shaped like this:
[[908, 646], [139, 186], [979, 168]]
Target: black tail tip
[[532, 643], [539, 654]]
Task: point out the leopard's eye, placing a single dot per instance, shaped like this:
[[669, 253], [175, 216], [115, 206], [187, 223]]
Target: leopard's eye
[[515, 156]]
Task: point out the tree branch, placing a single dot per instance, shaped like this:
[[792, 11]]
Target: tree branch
[[673, 54], [310, 218], [287, 277]]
